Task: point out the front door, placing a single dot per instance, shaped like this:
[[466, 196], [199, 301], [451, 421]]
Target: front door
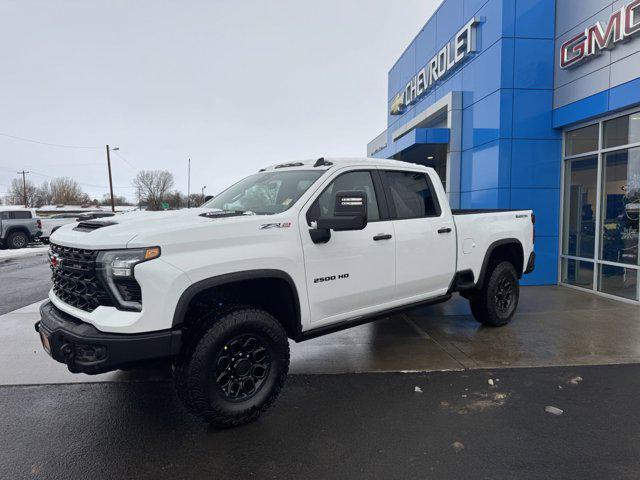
[[354, 272]]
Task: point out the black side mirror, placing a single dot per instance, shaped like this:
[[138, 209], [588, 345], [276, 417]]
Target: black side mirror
[[350, 213]]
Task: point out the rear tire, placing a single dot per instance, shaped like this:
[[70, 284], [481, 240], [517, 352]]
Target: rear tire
[[495, 304], [17, 240], [234, 368]]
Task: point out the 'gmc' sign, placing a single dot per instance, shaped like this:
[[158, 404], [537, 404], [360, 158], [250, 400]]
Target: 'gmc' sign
[[622, 25]]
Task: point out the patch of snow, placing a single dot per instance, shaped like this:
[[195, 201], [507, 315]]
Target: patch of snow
[[8, 254], [575, 380], [553, 410]]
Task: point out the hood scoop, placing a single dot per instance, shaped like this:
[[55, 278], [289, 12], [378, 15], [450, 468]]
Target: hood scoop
[[91, 226]]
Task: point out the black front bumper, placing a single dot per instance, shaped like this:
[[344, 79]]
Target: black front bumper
[[85, 349]]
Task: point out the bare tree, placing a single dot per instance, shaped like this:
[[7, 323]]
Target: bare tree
[[44, 196], [176, 200], [16, 193], [196, 199], [66, 191], [117, 199], [153, 186]]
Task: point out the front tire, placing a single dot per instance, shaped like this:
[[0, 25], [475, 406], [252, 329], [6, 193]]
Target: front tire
[[234, 369], [17, 240], [495, 304]]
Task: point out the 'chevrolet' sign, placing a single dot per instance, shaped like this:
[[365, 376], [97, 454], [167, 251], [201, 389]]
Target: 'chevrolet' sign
[[451, 55]]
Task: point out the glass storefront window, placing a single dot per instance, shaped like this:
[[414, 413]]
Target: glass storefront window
[[600, 243], [620, 206], [619, 281], [582, 140], [577, 272], [580, 207], [622, 130]]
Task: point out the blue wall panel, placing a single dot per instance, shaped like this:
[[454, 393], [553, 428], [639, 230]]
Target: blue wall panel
[[536, 163], [532, 18], [546, 271], [533, 64], [483, 75], [487, 120], [545, 203], [487, 166], [490, 198], [449, 20]]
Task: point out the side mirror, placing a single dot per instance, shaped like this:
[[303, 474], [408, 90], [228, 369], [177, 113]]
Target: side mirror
[[350, 213]]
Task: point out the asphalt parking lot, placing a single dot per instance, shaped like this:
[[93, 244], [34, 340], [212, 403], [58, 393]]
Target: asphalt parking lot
[[350, 408], [373, 426]]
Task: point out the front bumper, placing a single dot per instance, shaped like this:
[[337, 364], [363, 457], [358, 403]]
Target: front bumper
[[85, 349]]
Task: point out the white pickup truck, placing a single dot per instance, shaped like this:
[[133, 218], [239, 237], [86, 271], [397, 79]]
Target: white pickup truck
[[295, 251]]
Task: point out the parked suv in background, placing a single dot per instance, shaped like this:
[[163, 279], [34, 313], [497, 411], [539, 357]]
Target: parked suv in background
[[18, 227]]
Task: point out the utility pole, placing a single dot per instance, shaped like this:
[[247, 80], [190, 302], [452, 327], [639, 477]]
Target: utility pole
[[24, 187], [189, 186], [113, 205]]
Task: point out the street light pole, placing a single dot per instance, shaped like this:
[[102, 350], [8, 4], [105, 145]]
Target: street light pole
[[24, 187], [189, 186], [113, 204]]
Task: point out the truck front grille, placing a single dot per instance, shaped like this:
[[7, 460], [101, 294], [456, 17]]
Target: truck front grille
[[75, 280]]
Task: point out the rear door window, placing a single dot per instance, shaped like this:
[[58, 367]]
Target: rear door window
[[20, 215], [411, 195]]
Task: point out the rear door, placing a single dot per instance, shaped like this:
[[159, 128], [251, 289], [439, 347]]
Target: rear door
[[354, 272], [424, 232]]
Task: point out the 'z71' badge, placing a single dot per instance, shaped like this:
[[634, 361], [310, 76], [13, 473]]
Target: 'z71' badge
[[331, 278]]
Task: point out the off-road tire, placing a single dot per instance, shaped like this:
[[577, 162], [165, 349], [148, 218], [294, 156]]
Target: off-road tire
[[194, 370], [486, 303], [17, 240]]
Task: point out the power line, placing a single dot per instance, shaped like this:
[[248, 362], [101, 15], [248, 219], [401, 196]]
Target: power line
[[39, 174], [59, 145], [118, 154]]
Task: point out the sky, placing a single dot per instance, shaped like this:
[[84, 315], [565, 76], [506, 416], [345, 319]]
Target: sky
[[234, 85]]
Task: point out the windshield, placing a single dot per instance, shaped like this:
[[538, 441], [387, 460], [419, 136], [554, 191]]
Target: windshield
[[266, 193]]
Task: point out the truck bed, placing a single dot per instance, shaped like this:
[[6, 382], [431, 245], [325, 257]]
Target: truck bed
[[478, 229]]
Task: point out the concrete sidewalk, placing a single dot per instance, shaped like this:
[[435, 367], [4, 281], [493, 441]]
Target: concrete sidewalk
[[554, 326]]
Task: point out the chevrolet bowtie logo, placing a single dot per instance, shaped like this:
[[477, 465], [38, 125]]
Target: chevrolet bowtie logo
[[55, 260], [398, 104]]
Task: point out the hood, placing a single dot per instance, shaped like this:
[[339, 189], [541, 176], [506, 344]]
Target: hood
[[137, 228]]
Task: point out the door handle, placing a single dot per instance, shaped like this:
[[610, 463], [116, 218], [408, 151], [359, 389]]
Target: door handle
[[382, 236], [445, 230]]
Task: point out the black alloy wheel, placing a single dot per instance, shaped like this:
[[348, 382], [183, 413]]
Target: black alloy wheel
[[242, 367]]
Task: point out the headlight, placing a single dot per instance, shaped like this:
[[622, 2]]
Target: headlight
[[117, 270]]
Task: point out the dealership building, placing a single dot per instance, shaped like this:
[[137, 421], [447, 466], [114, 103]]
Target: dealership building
[[532, 104]]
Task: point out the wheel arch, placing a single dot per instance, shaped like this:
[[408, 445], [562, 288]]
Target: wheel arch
[[509, 249], [273, 290], [17, 228]]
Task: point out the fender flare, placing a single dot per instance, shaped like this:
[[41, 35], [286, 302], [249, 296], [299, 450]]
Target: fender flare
[[489, 253], [227, 278]]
